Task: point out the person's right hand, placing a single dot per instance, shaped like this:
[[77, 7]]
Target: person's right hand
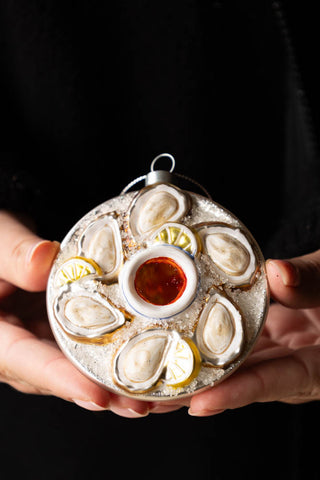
[[30, 360], [285, 363]]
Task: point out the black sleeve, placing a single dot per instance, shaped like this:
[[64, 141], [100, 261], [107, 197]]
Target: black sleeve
[[298, 231]]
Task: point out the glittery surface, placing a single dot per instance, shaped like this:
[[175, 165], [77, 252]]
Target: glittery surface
[[95, 356]]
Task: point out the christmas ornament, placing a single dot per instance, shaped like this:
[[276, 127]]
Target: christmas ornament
[[158, 293]]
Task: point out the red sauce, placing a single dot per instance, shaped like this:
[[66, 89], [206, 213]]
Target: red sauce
[[160, 281]]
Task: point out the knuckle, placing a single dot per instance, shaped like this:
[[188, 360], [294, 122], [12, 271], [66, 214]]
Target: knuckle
[[18, 250], [312, 264], [309, 362]]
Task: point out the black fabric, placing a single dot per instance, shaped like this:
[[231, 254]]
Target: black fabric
[[91, 92], [95, 93], [90, 95]]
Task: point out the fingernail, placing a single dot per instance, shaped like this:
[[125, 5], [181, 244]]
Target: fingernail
[[204, 412], [33, 248], [128, 412], [287, 271], [165, 408], [138, 414], [42, 250], [89, 405]]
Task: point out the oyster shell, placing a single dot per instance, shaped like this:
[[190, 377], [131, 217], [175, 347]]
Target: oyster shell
[[231, 253], [101, 241], [155, 206], [177, 235], [156, 355], [140, 363], [87, 316], [220, 333], [139, 303]]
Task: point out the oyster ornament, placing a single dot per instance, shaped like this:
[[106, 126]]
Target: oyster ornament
[[86, 315], [156, 356], [158, 293], [138, 366], [101, 242], [155, 206], [230, 251], [220, 332]]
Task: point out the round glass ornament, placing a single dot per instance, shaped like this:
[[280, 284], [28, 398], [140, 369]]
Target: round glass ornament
[[158, 293]]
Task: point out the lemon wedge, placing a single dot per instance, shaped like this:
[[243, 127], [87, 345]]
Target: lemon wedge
[[183, 363], [76, 268], [177, 235]]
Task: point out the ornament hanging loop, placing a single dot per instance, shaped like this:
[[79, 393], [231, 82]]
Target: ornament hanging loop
[[160, 176], [173, 162], [163, 176], [154, 176]]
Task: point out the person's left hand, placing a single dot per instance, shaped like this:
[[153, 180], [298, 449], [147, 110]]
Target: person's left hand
[[285, 365], [30, 360]]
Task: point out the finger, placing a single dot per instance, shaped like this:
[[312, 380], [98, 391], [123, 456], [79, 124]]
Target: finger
[[25, 258], [41, 366], [290, 377], [165, 407], [35, 366], [6, 289], [169, 406], [128, 407], [20, 386], [295, 283]]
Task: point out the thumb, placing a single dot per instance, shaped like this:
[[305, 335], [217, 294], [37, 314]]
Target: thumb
[[296, 282], [25, 258]]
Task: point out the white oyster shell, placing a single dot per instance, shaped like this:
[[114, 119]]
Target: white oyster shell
[[101, 241], [155, 206], [140, 363], [220, 332], [153, 355], [231, 252], [87, 316]]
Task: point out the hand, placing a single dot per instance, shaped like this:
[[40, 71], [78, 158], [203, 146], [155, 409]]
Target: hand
[[30, 361], [285, 365]]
